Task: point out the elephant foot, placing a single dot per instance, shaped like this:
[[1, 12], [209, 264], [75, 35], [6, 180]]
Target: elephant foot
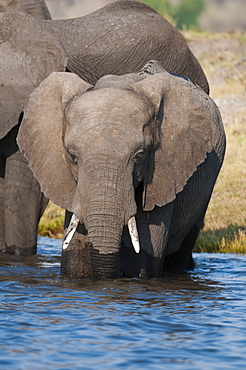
[[21, 251], [141, 265], [177, 262], [182, 259]]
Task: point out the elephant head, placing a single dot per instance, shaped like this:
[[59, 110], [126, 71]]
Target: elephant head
[[90, 148]]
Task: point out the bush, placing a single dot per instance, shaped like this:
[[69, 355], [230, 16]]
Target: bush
[[185, 14]]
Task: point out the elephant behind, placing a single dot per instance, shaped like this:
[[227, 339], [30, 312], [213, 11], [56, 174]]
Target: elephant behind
[[26, 58], [131, 153], [120, 38]]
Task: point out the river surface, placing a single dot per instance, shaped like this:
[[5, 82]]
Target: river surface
[[192, 321]]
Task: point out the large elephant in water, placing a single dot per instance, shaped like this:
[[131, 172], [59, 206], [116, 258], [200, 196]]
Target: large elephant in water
[[26, 58], [117, 39], [129, 151]]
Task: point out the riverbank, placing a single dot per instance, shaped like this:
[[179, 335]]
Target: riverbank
[[223, 59]]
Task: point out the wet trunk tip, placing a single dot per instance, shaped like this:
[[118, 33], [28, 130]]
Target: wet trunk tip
[[104, 266]]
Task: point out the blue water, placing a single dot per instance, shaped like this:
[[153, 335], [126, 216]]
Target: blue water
[[187, 321]]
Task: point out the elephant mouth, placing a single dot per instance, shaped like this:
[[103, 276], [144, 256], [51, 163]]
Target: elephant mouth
[[132, 227]]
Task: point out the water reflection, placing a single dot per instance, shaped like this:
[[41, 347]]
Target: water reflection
[[178, 321]]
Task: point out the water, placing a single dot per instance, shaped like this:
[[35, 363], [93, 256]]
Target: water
[[187, 321]]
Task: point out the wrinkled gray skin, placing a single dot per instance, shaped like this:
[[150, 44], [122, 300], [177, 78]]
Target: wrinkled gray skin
[[149, 146], [26, 58], [115, 39], [36, 8], [120, 38]]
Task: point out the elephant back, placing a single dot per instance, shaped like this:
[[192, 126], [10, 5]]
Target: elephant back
[[121, 38]]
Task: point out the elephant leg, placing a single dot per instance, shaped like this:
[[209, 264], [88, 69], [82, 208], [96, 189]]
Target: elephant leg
[[153, 230], [182, 259], [75, 260], [2, 216], [24, 205]]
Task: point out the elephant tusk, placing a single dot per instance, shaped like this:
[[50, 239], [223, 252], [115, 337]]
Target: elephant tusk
[[132, 227], [70, 231]]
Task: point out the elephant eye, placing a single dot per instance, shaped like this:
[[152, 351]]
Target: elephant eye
[[73, 158], [138, 156]]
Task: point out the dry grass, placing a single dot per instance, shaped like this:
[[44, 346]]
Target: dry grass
[[225, 221], [222, 57], [231, 239]]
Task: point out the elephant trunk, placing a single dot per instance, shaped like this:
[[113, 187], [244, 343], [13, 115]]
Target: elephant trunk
[[108, 204], [104, 228]]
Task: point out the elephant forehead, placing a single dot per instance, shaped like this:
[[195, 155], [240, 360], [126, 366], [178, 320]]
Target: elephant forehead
[[117, 106], [104, 138]]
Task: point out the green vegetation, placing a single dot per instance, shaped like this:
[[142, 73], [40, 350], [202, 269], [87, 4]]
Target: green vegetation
[[163, 7], [222, 58], [185, 14], [231, 239], [51, 223]]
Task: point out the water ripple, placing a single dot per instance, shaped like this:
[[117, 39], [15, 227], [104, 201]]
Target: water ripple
[[181, 322]]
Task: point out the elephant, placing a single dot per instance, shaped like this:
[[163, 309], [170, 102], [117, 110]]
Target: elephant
[[25, 60], [120, 38], [107, 41], [133, 158], [36, 8]]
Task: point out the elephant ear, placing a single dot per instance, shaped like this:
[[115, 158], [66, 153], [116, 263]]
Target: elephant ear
[[41, 134], [37, 9], [190, 129], [28, 54]]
